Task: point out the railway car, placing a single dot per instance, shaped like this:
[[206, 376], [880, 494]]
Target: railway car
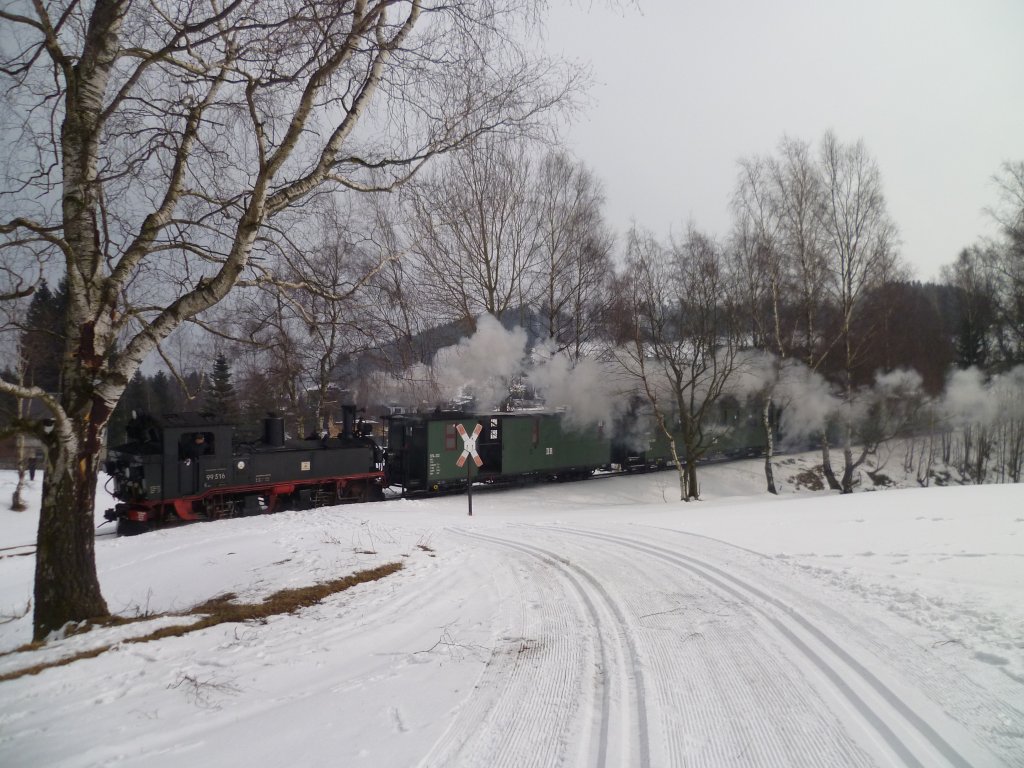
[[424, 448], [734, 430], [187, 466]]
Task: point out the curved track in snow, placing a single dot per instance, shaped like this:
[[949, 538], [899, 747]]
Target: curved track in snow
[[572, 689], [672, 658], [910, 737]]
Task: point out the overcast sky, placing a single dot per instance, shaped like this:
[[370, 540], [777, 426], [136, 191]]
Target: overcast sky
[[683, 89]]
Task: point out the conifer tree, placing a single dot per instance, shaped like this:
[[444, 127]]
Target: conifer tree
[[137, 397], [164, 400], [221, 398], [43, 337]]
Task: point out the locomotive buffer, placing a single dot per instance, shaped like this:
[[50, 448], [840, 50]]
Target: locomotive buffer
[[469, 449]]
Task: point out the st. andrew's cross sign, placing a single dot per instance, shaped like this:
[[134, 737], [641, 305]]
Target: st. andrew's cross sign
[[469, 449], [469, 445]]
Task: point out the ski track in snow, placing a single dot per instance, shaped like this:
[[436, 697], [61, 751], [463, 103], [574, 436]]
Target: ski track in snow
[[671, 692], [894, 730], [567, 652], [993, 708]]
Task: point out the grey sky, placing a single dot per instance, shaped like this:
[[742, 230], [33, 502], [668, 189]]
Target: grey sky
[[935, 88]]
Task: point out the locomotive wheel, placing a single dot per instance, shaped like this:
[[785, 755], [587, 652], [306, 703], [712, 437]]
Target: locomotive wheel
[[131, 527], [360, 491], [348, 493]]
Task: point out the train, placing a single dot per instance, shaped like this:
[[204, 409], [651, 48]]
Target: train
[[187, 467]]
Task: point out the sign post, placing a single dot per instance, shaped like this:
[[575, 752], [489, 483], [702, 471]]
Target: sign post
[[469, 449]]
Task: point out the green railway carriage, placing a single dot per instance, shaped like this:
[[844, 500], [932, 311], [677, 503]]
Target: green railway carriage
[[732, 429], [737, 430], [548, 446], [424, 449]]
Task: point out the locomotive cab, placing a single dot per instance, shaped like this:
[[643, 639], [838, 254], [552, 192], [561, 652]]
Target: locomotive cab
[[197, 453], [167, 458]]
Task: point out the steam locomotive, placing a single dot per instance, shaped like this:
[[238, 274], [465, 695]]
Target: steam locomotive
[[184, 467], [188, 466]]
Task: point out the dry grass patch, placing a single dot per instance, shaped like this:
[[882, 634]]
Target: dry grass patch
[[812, 479], [219, 610]]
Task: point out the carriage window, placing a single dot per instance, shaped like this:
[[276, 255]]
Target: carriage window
[[449, 437], [195, 444]]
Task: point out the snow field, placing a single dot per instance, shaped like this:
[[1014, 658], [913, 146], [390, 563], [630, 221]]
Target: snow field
[[587, 624]]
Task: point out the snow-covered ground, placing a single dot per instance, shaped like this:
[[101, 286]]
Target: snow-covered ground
[[600, 623]]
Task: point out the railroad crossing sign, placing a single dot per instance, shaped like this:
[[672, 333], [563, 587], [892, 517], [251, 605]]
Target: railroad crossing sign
[[469, 449], [469, 445]]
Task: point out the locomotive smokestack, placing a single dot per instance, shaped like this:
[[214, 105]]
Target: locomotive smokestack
[[273, 430], [348, 420]]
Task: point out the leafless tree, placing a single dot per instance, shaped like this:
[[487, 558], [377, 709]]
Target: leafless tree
[[476, 234], [1006, 263], [813, 238], [682, 339], [332, 305], [764, 278], [762, 269], [989, 279], [395, 292], [860, 253], [573, 259], [797, 191], [779, 245], [170, 148]]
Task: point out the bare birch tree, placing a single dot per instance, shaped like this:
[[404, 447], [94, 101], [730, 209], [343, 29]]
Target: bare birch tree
[[573, 261], [683, 339], [815, 232], [779, 245], [861, 242], [763, 280], [1007, 263], [475, 231], [168, 145]]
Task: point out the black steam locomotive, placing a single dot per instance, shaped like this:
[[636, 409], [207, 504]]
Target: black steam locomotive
[[188, 466]]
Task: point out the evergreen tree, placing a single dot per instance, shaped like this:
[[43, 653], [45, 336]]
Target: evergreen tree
[[137, 397], [164, 400], [43, 337], [220, 397]]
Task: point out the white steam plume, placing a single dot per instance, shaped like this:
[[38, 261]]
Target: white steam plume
[[970, 399], [482, 363], [807, 402], [585, 389], [967, 399]]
